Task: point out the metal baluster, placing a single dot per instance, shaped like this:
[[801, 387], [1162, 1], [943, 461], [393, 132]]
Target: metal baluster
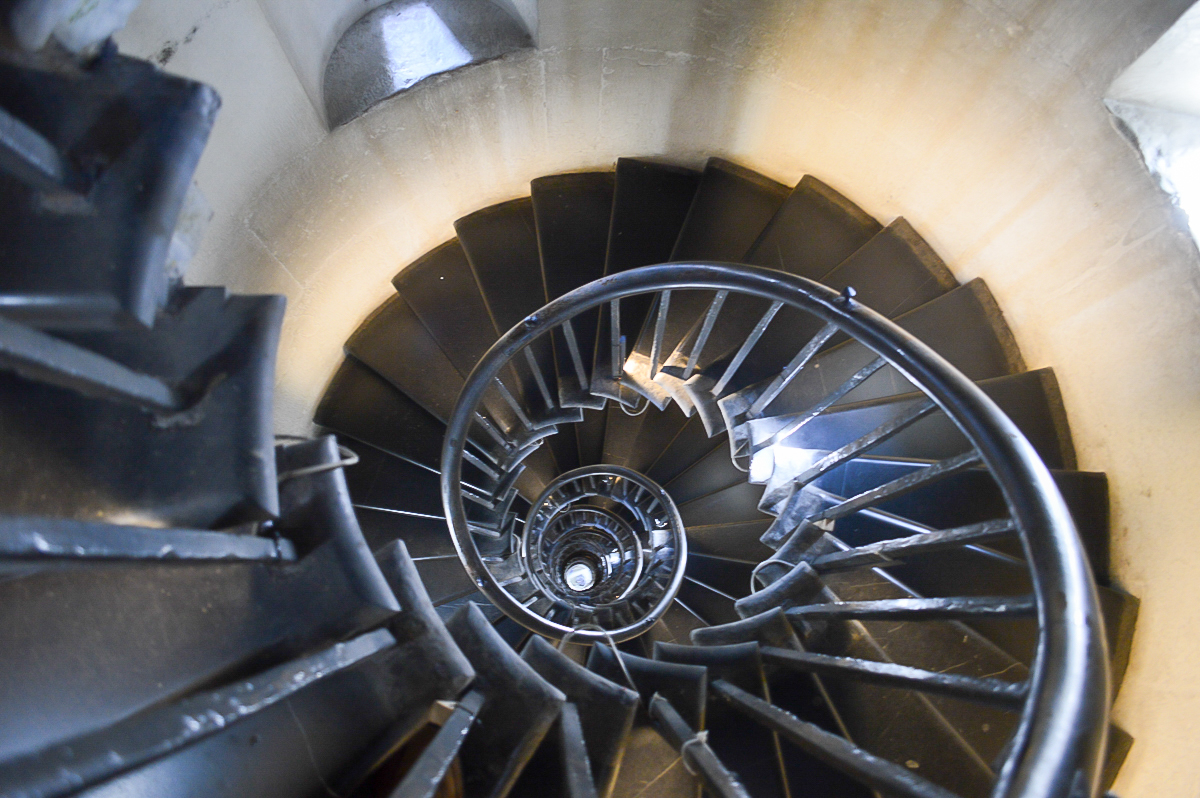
[[513, 404], [693, 748], [710, 318], [660, 326], [539, 378], [615, 339], [576, 359], [922, 609], [898, 487], [873, 438], [888, 552], [425, 777], [471, 458], [837, 752], [744, 351], [983, 690], [846, 387], [790, 371], [491, 430]]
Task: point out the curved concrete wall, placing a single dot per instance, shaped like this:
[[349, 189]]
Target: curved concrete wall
[[979, 120]]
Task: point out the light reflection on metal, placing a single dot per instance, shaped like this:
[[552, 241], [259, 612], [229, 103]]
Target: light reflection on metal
[[397, 45], [605, 544], [418, 44]]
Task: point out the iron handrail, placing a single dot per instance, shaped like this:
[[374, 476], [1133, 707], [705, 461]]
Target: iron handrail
[[1058, 746]]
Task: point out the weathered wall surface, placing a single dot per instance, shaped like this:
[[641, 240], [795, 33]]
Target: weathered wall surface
[[979, 121]]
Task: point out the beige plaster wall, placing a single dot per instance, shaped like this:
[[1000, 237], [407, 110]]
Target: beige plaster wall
[[979, 121]]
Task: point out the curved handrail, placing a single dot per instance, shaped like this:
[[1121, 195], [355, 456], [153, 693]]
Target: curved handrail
[[1058, 745]]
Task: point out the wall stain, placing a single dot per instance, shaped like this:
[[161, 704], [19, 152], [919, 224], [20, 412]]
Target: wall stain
[[168, 50]]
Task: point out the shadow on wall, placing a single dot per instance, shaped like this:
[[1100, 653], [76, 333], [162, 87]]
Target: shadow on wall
[[1156, 102]]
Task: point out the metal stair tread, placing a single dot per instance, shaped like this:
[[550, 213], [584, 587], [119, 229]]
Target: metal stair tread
[[104, 268], [364, 406], [206, 466]]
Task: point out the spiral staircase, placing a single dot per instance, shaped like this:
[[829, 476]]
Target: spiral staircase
[[635, 491]]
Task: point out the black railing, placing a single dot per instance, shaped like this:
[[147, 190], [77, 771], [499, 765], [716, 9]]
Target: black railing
[[1058, 743]]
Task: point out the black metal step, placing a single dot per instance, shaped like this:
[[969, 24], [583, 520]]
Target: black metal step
[[737, 541], [804, 698], [964, 326], [204, 466], [396, 345], [621, 430], [968, 498], [490, 611], [425, 536], [675, 626], [731, 505], [265, 733], [712, 472], [441, 290], [437, 760], [562, 760], [92, 645], [731, 208], [382, 480], [893, 272], [1030, 399], [429, 650], [875, 772], [606, 709], [444, 578], [951, 742], [658, 432], [362, 405], [511, 632], [275, 737], [93, 256], [589, 437], [520, 707], [971, 497], [706, 602], [689, 444], [753, 753], [685, 686], [940, 646], [501, 245], [731, 577], [965, 572], [573, 213], [650, 203], [814, 230], [33, 543]]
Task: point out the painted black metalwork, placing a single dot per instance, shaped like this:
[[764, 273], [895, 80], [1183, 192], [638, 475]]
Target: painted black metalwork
[[160, 730], [1060, 734], [693, 748]]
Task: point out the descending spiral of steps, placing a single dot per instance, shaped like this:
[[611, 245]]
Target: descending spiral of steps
[[804, 420], [586, 528]]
